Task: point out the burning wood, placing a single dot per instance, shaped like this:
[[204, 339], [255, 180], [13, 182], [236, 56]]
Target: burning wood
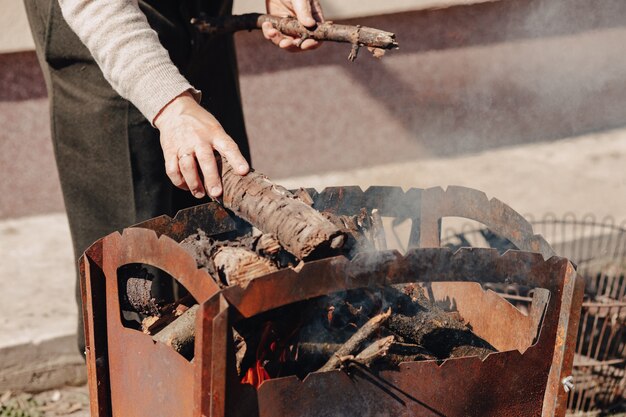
[[356, 341], [374, 351]]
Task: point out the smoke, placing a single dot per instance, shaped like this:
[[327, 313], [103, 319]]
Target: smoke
[[465, 79]]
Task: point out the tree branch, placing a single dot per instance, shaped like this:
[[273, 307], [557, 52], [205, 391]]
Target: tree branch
[[358, 36]]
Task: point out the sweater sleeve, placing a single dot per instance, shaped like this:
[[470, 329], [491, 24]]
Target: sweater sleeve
[[128, 51]]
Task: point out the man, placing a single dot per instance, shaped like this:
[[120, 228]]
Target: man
[[115, 70]]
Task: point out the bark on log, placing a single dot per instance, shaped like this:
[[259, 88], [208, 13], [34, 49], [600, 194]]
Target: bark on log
[[356, 341], [316, 350], [301, 229], [180, 334], [421, 322], [358, 36], [139, 297]]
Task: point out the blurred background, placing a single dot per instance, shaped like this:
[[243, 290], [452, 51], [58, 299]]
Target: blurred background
[[522, 99]]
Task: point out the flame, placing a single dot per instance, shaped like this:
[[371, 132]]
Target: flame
[[271, 348], [255, 375]]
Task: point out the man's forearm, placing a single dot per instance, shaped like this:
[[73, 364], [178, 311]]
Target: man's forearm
[[128, 51]]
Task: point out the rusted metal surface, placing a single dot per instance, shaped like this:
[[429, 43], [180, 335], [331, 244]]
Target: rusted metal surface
[[132, 376], [599, 249]]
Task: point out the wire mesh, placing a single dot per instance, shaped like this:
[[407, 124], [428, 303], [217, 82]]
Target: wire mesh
[[599, 250]]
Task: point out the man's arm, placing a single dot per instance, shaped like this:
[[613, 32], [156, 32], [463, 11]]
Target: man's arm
[[138, 67], [127, 51]]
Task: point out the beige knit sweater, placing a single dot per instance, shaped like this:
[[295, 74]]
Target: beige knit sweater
[[128, 51]]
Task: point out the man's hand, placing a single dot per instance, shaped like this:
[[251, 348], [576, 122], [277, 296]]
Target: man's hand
[[189, 136], [308, 12]]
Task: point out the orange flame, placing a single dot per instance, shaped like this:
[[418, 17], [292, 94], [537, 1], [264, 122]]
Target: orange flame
[[255, 375]]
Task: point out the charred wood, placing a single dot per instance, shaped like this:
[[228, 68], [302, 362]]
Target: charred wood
[[353, 344], [375, 351]]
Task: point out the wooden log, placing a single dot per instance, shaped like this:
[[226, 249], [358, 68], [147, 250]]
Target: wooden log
[[376, 39], [154, 324], [138, 297], [350, 347], [316, 351], [301, 229], [239, 266], [180, 334], [421, 322]]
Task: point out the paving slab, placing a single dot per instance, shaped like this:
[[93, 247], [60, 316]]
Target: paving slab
[[38, 321]]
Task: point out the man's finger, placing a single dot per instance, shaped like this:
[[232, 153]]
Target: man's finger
[[173, 172], [277, 38], [189, 169], [229, 150], [208, 165], [309, 44], [316, 10], [303, 12], [268, 30]]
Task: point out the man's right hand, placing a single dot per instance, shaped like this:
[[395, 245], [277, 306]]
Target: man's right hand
[[189, 137]]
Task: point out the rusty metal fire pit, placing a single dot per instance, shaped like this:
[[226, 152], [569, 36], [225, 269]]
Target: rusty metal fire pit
[[130, 375]]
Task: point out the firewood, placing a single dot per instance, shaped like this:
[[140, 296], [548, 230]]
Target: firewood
[[239, 266], [468, 350], [180, 334], [304, 196], [356, 229], [147, 323], [376, 40], [138, 297], [419, 321], [356, 340], [236, 261], [167, 314], [301, 229], [315, 352], [394, 359], [376, 350], [268, 245]]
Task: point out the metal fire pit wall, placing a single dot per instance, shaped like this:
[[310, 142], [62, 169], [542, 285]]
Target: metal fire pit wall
[[131, 376]]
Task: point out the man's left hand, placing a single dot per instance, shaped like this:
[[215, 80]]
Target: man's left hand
[[308, 12]]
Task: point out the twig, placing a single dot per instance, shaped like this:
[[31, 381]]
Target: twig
[[374, 351], [355, 341], [358, 36]]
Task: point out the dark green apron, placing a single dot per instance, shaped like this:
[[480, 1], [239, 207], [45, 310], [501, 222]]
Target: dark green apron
[[108, 155]]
